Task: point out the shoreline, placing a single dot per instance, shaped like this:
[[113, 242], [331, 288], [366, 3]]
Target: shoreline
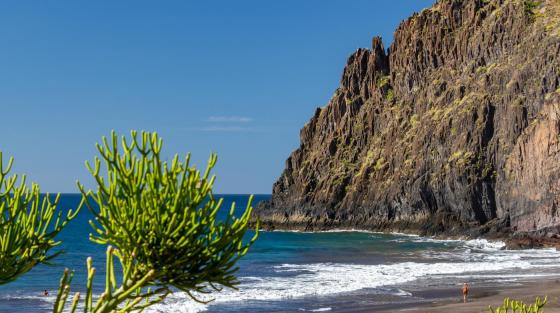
[[513, 241], [492, 240], [449, 299], [402, 232]]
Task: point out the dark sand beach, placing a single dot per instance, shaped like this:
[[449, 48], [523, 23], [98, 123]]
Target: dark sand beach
[[480, 299]]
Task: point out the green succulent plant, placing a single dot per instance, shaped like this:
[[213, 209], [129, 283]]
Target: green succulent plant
[[516, 306], [160, 219], [29, 223]]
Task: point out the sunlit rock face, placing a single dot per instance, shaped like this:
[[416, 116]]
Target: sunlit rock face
[[452, 130]]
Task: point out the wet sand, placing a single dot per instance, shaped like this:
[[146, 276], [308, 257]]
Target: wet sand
[[480, 299]]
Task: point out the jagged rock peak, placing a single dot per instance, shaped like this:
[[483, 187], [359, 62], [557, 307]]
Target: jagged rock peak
[[363, 68]]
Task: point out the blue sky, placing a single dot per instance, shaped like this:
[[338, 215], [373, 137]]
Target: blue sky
[[239, 78]]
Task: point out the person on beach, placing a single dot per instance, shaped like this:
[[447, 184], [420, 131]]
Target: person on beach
[[465, 292], [46, 293]]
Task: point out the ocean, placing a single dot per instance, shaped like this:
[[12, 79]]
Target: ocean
[[335, 271]]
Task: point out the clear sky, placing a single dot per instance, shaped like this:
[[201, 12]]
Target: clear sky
[[239, 78]]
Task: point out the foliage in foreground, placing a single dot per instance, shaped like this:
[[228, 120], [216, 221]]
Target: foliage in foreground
[[517, 306], [29, 223], [161, 218]]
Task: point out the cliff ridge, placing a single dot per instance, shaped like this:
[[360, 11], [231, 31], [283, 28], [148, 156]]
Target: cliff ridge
[[455, 130]]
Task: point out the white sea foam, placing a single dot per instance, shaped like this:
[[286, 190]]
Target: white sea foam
[[323, 231], [470, 259], [9, 296], [316, 310], [320, 279], [342, 230], [484, 244], [475, 243], [481, 244], [492, 251]]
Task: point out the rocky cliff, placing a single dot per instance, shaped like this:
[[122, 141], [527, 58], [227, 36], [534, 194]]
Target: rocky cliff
[[454, 130]]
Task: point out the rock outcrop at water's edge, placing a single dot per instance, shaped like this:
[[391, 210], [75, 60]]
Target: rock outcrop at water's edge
[[454, 131]]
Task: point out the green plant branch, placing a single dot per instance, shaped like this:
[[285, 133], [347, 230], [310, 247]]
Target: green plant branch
[[129, 292], [162, 219], [516, 306], [29, 222]]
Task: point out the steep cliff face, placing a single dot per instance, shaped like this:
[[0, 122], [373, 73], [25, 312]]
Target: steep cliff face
[[455, 130]]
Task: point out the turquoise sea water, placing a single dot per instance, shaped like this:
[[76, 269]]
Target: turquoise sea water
[[298, 272]]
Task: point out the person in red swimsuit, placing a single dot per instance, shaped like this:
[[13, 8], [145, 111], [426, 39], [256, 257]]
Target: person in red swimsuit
[[465, 292]]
